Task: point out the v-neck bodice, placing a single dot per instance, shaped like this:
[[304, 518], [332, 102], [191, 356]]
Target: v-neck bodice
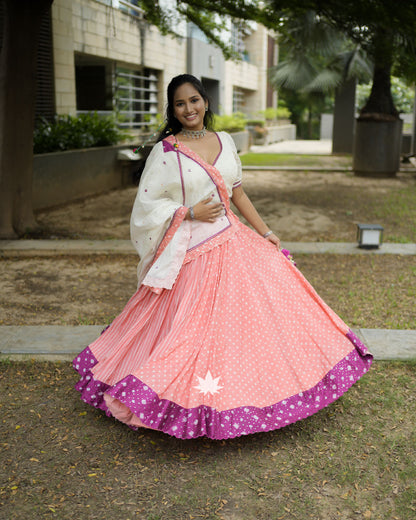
[[189, 151]]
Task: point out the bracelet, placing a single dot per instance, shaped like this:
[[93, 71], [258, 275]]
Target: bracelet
[[267, 234], [191, 213]]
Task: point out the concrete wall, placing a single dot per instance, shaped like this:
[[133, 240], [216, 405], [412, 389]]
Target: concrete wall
[[327, 123], [250, 76], [241, 141], [242, 75], [344, 118], [256, 45], [279, 133], [92, 28], [62, 177], [63, 54], [206, 62]]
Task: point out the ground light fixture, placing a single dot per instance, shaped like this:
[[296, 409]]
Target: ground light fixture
[[369, 236]]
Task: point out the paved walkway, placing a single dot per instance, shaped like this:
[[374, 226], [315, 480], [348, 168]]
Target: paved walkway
[[124, 247], [298, 146], [304, 147], [62, 343]]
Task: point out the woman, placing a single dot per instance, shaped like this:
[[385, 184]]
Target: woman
[[224, 336]]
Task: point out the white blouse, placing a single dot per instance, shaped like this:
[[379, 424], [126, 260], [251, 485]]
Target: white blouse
[[174, 179]]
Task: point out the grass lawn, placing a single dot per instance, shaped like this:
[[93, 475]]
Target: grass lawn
[[367, 292], [62, 459], [304, 160]]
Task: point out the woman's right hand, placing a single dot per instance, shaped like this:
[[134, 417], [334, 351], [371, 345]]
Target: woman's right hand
[[207, 211]]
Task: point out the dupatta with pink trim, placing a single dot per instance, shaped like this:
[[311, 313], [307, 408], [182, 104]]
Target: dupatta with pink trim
[[175, 178]]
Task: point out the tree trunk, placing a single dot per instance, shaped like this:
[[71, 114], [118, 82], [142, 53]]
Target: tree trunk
[[380, 105], [21, 27], [377, 141]]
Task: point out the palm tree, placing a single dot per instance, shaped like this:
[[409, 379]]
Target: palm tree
[[386, 30], [319, 60]]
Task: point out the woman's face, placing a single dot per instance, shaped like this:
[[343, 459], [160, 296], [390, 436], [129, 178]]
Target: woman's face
[[189, 107]]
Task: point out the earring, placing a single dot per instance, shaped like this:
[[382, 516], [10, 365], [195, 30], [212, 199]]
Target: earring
[[206, 109]]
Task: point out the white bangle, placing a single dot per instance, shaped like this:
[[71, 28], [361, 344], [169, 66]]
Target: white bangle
[[191, 213], [267, 234]]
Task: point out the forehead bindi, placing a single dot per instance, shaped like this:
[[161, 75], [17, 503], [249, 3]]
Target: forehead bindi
[[185, 92]]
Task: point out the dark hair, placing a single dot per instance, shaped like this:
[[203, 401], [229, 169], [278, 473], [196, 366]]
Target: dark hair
[[173, 126]]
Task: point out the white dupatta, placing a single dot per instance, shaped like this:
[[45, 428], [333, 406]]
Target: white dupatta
[[175, 178]]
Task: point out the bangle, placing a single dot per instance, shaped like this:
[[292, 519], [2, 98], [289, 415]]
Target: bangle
[[267, 234], [191, 213]]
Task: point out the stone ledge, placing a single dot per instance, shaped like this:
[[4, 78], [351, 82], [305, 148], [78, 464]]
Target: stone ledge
[[63, 343], [87, 247]]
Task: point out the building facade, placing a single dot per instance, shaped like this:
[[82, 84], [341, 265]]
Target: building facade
[[105, 57]]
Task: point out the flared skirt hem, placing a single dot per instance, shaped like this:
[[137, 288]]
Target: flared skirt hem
[[141, 405]]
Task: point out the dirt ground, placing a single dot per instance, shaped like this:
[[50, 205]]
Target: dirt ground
[[309, 206], [299, 206], [366, 291], [62, 459]]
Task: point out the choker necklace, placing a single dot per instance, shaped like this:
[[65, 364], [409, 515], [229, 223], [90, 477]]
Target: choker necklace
[[194, 134]]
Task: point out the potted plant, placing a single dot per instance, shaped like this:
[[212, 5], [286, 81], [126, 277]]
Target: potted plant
[[260, 134], [378, 130]]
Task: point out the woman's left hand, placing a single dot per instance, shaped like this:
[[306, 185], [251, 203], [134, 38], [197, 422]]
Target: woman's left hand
[[274, 240]]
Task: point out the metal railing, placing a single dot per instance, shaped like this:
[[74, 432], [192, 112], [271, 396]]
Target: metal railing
[[124, 6]]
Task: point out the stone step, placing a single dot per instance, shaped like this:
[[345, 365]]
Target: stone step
[[63, 343], [10, 248]]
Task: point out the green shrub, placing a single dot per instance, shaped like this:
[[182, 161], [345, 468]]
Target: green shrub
[[154, 122], [69, 133], [230, 123], [256, 122], [270, 114], [283, 113], [273, 114]]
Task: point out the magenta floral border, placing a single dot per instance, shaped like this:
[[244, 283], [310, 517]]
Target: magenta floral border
[[171, 418]]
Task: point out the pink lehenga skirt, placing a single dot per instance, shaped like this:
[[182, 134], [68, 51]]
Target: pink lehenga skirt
[[241, 344]]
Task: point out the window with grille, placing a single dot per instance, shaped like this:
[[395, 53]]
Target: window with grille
[[238, 99], [128, 6], [135, 97], [93, 80], [238, 33], [237, 42]]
